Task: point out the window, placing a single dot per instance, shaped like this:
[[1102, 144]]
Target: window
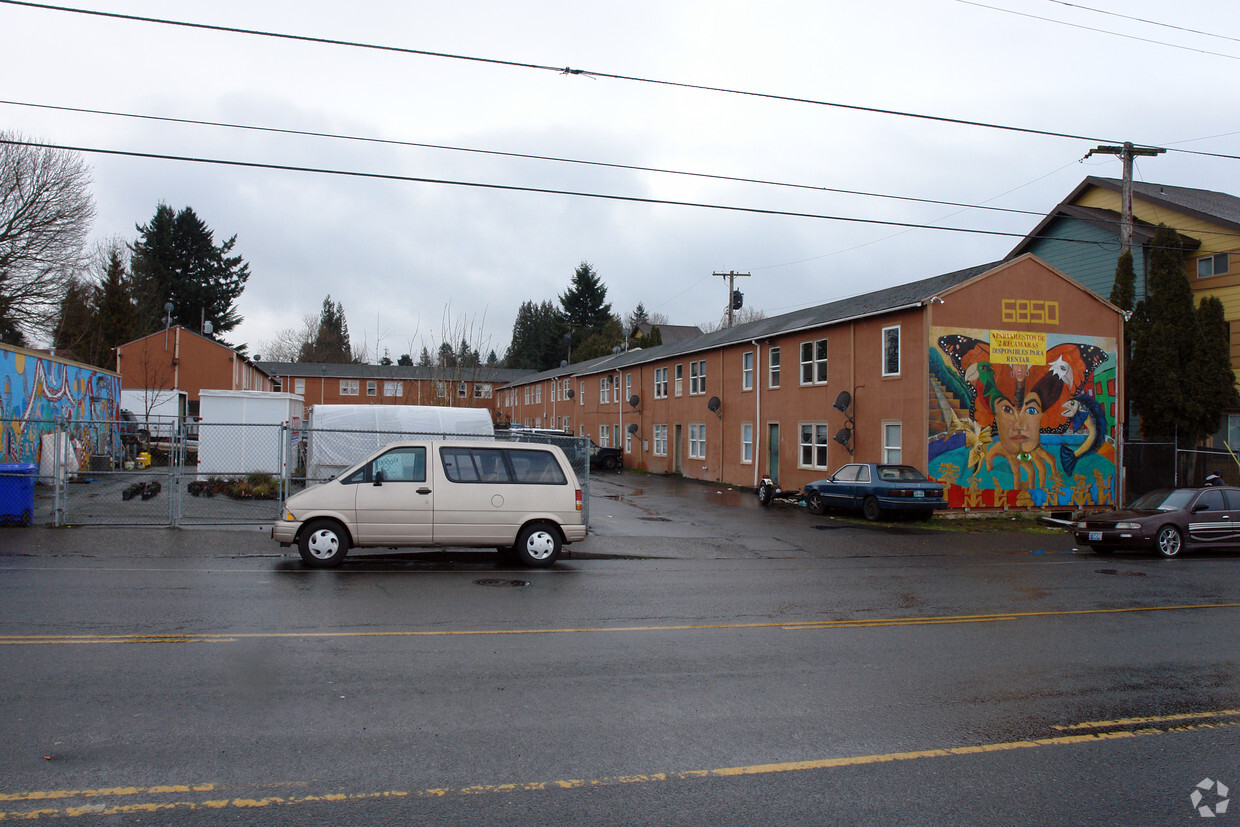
[[581, 394], [773, 368], [628, 387], [747, 370], [1215, 265], [528, 397], [891, 351], [891, 443], [299, 386], [747, 442], [680, 375], [441, 390], [462, 391], [814, 439], [697, 440], [814, 362], [660, 440], [604, 436], [604, 390], [348, 387], [537, 393], [465, 465], [628, 442], [393, 389], [697, 377], [397, 465], [660, 383], [372, 387], [482, 390]]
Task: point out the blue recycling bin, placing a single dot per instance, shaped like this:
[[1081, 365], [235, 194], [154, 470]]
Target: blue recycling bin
[[17, 492]]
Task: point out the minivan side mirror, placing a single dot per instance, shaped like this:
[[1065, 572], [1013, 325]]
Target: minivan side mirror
[[378, 478]]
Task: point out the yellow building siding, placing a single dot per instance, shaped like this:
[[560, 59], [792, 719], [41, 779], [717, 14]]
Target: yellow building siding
[[1214, 237]]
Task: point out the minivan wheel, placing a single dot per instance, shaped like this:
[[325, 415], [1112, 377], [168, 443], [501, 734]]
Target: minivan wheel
[[538, 545], [323, 544]]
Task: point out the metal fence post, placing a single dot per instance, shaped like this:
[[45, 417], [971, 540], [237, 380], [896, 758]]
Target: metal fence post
[[58, 492]]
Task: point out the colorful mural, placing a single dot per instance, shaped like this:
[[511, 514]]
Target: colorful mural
[[37, 391], [1022, 419]]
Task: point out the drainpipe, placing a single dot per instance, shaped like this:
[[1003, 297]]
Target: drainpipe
[[757, 419]]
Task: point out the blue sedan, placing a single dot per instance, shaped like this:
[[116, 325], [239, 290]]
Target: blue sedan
[[875, 488]]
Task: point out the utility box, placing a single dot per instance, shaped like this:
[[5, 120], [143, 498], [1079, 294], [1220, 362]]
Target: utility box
[[241, 432]]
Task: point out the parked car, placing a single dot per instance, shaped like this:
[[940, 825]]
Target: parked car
[[1168, 520], [521, 498], [874, 488], [608, 459], [131, 431]]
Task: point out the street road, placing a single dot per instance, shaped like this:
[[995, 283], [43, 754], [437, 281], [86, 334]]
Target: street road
[[697, 661]]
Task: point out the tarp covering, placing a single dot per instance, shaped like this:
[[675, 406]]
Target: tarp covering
[[340, 435]]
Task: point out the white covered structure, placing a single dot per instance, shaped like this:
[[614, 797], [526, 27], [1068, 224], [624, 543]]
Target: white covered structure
[[340, 435], [248, 432]]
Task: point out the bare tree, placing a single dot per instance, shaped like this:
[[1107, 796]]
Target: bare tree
[[46, 211], [288, 343], [459, 378], [743, 316]]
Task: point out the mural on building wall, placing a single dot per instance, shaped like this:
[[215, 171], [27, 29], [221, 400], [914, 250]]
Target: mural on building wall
[[37, 391], [1022, 419]]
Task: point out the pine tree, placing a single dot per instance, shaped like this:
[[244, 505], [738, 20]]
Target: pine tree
[[585, 307], [537, 338], [330, 344], [114, 307], [639, 316], [176, 260], [405, 361], [1123, 292], [1209, 375], [76, 333]]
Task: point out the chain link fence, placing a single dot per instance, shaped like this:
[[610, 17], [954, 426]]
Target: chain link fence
[[1151, 465], [113, 473]]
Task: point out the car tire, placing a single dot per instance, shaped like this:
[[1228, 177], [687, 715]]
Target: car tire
[[870, 509], [323, 544], [1169, 541], [766, 493], [538, 545], [609, 463], [813, 501]]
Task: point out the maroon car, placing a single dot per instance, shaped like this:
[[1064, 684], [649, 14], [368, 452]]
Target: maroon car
[[1169, 520]]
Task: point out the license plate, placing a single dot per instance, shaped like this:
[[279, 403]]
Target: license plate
[[919, 493], [1095, 536]]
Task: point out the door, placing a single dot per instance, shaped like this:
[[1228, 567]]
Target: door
[[772, 451], [1209, 521], [394, 501], [676, 440]]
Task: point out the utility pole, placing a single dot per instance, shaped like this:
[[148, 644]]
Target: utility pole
[[735, 299], [1126, 153]]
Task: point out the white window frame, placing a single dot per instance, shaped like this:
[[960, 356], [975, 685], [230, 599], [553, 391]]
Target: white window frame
[[299, 386], [628, 442], [813, 361], [747, 370], [1208, 266], [349, 387], [482, 390], [393, 389], [604, 390], [679, 378], [697, 377], [773, 367], [660, 383], [815, 447], [628, 387], [747, 443], [887, 332], [604, 436], [372, 387], [581, 395], [892, 452], [697, 440], [660, 440]]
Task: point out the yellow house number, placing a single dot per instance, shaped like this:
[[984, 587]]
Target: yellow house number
[[1024, 311]]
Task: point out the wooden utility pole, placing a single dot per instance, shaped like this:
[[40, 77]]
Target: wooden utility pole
[[733, 298], [1126, 153]]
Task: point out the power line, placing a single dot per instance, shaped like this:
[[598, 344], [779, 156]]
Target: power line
[[1099, 31], [519, 155], [565, 71], [1144, 20], [504, 187]]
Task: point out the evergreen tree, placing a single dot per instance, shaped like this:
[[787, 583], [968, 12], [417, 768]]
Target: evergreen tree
[[655, 337], [537, 338], [176, 260], [10, 330], [1209, 375], [424, 360], [330, 344], [1123, 292], [492, 360], [75, 334], [405, 361], [1164, 334], [599, 342], [639, 316], [113, 305], [586, 309]]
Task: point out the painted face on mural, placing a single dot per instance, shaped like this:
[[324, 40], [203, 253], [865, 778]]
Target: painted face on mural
[[1019, 425]]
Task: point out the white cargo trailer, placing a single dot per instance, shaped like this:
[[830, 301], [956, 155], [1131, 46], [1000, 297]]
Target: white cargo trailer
[[340, 435], [248, 432], [158, 411]]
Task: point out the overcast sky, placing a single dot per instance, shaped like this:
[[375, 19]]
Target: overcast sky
[[403, 257]]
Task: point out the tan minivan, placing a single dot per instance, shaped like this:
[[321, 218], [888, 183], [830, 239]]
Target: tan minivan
[[523, 499]]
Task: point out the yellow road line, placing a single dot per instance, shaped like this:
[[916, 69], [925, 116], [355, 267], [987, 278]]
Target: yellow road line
[[156, 806], [1156, 719], [15, 640]]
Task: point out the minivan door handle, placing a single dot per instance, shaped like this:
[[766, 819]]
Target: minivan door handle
[[424, 490]]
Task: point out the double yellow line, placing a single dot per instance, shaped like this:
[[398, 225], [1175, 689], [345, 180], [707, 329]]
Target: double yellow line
[[28, 640], [207, 797]]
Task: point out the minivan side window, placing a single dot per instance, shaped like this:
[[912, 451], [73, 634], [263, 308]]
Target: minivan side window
[[475, 464], [537, 467], [397, 465]]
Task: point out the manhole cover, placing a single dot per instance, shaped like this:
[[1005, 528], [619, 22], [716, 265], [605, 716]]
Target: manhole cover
[[514, 583], [656, 519], [1124, 573]]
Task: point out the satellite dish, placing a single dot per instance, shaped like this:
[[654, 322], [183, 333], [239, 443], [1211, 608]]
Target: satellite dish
[[713, 404], [634, 401], [843, 436], [563, 363], [842, 401], [633, 428], [571, 393]]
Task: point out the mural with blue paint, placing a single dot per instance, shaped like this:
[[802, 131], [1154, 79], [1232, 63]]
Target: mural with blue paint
[[1022, 419], [37, 391]]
